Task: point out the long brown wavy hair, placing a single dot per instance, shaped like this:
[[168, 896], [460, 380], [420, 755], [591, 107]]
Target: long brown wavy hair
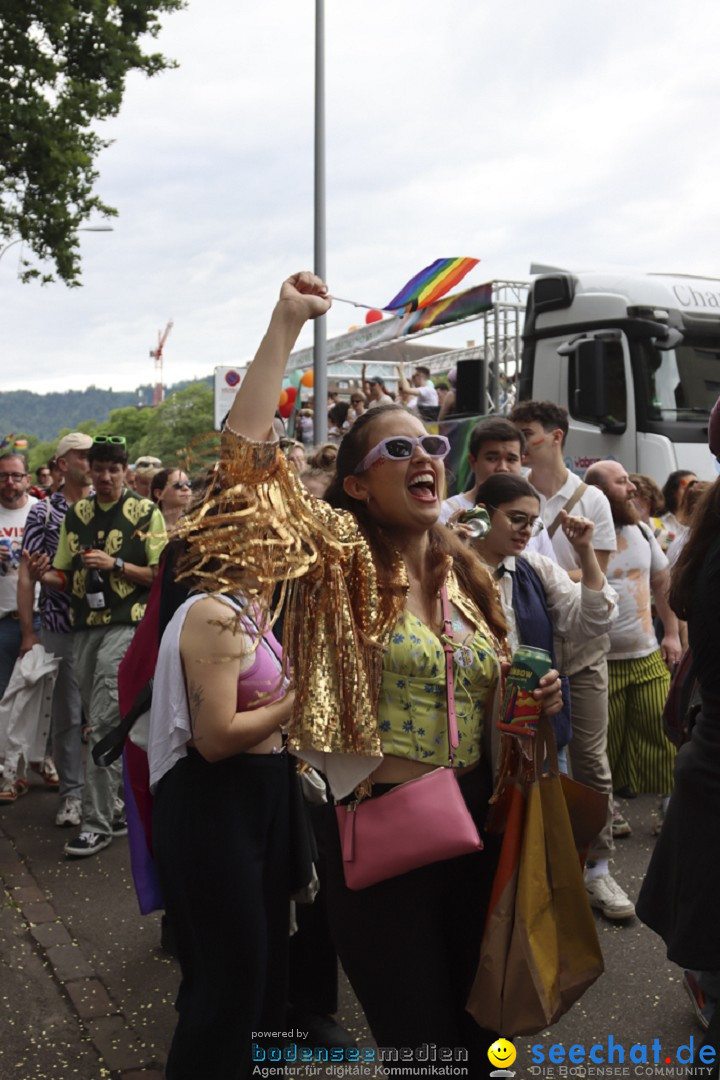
[[704, 531], [444, 545]]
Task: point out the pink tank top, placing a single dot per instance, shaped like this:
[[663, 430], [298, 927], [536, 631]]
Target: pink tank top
[[264, 681]]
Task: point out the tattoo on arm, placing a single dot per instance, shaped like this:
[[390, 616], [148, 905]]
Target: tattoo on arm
[[196, 696]]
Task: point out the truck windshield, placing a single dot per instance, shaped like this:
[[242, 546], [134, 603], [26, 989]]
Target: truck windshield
[[682, 383]]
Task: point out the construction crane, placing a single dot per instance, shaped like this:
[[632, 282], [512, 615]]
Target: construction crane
[[157, 355]]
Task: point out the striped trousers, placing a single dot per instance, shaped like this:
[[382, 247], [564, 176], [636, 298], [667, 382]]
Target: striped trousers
[[641, 758]]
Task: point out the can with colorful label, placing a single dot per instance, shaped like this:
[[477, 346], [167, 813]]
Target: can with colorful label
[[520, 711]]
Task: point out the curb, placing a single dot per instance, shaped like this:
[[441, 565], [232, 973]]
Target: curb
[[119, 1048]]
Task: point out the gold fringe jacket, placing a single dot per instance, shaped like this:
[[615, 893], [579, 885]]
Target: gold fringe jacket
[[264, 527]]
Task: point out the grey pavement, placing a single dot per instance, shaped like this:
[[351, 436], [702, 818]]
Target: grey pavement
[[87, 993]]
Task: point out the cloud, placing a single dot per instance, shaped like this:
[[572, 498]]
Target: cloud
[[572, 134]]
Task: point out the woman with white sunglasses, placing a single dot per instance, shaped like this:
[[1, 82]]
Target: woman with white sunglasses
[[363, 631]]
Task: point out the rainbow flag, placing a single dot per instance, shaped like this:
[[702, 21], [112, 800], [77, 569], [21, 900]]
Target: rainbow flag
[[431, 283]]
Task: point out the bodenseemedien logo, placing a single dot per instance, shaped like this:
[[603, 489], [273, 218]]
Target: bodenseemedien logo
[[502, 1054]]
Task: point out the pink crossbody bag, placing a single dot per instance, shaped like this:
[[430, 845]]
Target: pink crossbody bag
[[417, 823]]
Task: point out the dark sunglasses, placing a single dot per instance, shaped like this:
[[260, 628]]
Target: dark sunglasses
[[399, 447], [180, 484], [116, 440]]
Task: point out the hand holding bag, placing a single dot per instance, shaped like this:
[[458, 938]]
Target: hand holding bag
[[414, 824], [540, 950]]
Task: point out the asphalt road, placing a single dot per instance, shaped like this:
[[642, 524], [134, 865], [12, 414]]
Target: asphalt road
[[86, 992]]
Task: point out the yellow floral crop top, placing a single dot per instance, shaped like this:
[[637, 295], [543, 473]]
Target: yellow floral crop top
[[262, 526], [412, 709]]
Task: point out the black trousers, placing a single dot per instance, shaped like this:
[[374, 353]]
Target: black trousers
[[410, 945], [221, 840]]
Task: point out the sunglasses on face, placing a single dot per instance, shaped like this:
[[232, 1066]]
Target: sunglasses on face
[[180, 485], [116, 440], [402, 447], [519, 521]]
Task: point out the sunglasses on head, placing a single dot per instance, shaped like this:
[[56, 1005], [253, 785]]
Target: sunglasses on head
[[116, 440], [400, 447]]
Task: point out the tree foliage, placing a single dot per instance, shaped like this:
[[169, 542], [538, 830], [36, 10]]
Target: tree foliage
[[179, 431], [63, 66]]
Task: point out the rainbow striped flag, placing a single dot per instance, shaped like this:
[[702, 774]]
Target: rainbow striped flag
[[431, 283]]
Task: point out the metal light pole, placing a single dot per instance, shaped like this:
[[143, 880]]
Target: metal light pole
[[320, 419]]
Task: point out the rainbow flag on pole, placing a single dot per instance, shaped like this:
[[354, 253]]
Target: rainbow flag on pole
[[431, 283]]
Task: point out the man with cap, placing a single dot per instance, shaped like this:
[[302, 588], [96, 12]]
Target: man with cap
[[145, 470], [374, 389], [42, 532]]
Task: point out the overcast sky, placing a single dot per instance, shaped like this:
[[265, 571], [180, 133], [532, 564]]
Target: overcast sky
[[573, 134]]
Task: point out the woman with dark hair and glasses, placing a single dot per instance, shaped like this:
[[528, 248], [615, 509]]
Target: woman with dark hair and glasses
[[367, 571], [538, 597], [172, 491]]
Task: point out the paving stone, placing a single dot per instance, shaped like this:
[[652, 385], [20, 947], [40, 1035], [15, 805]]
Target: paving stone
[[18, 878], [69, 962], [52, 933], [27, 894], [39, 913], [117, 1043], [90, 998]]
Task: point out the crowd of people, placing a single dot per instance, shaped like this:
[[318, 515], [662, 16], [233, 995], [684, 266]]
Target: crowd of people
[[326, 596]]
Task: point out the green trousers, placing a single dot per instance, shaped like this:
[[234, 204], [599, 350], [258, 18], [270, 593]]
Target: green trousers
[[641, 757]]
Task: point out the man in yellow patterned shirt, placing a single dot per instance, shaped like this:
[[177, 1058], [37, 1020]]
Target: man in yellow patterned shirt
[[107, 556]]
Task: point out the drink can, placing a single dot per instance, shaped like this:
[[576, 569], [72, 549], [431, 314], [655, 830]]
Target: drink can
[[520, 711], [476, 521]]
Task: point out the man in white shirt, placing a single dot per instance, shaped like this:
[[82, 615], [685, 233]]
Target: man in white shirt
[[496, 446], [15, 504], [544, 426], [641, 758]]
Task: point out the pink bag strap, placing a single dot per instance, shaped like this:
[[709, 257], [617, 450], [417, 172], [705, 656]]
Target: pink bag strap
[[453, 738]]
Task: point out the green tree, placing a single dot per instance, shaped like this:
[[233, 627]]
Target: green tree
[[63, 65], [131, 422], [180, 430]]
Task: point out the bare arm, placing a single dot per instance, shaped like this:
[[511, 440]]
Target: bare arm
[[670, 644], [213, 659], [303, 296], [403, 384], [138, 575]]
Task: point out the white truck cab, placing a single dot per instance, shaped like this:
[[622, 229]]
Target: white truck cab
[[634, 359]]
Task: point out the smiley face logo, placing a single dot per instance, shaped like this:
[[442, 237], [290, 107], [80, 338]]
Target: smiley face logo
[[502, 1053]]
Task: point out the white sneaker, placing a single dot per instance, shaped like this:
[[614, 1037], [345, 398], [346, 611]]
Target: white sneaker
[[70, 813], [605, 894]]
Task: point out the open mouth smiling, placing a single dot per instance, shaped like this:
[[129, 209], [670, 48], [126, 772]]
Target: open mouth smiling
[[422, 486]]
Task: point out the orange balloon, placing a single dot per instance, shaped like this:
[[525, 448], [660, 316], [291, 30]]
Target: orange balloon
[[351, 328], [308, 378], [283, 399]]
